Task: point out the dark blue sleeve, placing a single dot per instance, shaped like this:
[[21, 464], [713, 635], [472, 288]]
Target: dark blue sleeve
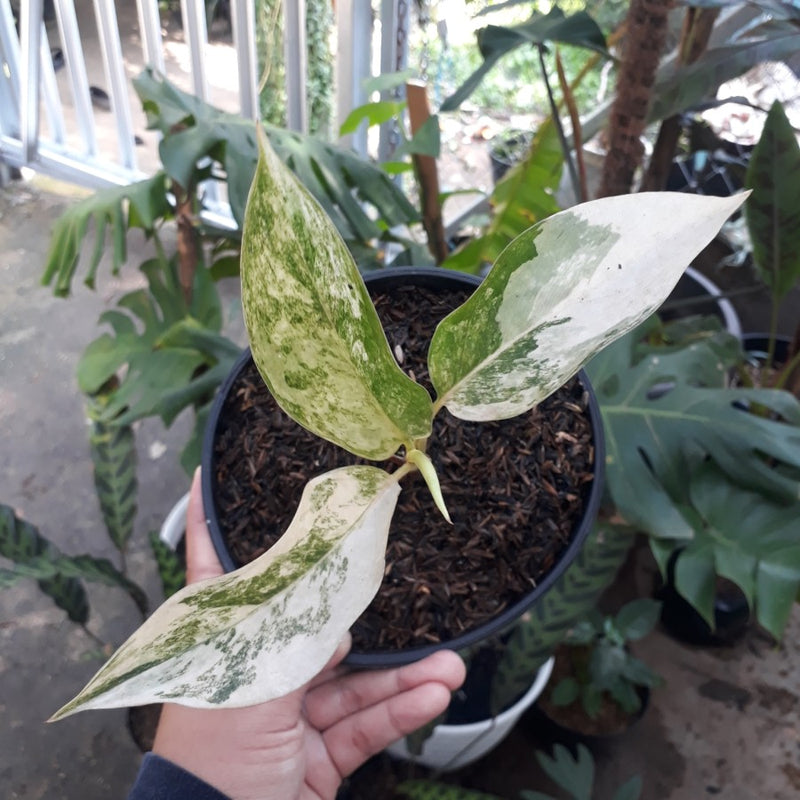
[[159, 779]]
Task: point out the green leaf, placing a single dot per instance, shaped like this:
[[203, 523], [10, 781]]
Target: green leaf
[[631, 790], [347, 186], [565, 692], [694, 578], [433, 790], [387, 80], [266, 629], [170, 567], [571, 597], [314, 333], [425, 142], [773, 210], [113, 452], [373, 113], [650, 434], [22, 544], [166, 354], [777, 582], [574, 775], [496, 41], [637, 618], [677, 90], [115, 209], [562, 291]]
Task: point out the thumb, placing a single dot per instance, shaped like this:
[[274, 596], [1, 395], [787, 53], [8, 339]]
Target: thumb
[[201, 558]]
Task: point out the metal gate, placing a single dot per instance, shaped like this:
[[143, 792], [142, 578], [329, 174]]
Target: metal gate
[[50, 124]]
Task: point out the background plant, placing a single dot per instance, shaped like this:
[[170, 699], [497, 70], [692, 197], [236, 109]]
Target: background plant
[[710, 473], [572, 773], [601, 663]]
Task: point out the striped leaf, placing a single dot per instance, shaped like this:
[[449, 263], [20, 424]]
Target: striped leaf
[[314, 333], [264, 630], [22, 544], [170, 566], [573, 595], [562, 291], [773, 211], [113, 452]]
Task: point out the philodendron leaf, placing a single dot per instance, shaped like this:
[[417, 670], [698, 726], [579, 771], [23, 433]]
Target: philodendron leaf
[[267, 628], [561, 292], [314, 333]]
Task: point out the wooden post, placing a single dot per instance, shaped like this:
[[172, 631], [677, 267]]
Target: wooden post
[[427, 175]]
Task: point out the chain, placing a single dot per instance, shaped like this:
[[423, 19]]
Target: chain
[[424, 18]]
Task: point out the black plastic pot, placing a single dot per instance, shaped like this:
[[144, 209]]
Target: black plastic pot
[[756, 345], [680, 619], [696, 294], [506, 150], [431, 279]]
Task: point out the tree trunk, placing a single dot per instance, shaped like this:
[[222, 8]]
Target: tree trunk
[[647, 27]]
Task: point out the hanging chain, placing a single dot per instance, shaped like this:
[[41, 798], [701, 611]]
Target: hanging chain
[[424, 18]]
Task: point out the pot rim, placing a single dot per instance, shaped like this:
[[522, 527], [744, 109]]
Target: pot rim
[[426, 277]]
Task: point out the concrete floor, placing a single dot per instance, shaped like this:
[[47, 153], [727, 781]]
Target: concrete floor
[[727, 723]]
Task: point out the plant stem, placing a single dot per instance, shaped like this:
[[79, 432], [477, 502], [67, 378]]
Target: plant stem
[[787, 369], [94, 637], [573, 174]]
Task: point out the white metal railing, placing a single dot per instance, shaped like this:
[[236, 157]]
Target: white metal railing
[[68, 149]]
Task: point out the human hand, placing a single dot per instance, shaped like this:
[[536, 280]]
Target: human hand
[[301, 746]]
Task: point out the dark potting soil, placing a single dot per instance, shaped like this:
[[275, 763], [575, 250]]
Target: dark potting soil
[[515, 490]]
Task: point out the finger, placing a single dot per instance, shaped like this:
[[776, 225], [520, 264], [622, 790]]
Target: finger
[[201, 558], [334, 700], [360, 736], [333, 669]]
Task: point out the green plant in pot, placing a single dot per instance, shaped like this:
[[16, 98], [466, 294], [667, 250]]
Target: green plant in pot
[[772, 218], [558, 294], [598, 686]]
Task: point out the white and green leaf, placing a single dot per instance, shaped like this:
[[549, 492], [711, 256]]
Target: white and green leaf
[[269, 627], [562, 291], [314, 333]]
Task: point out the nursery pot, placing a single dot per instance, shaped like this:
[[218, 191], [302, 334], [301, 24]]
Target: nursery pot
[[682, 621], [434, 281], [696, 294], [451, 747], [506, 149]]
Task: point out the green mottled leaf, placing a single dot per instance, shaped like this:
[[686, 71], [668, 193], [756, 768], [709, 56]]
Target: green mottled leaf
[[314, 333], [21, 543], [113, 452], [562, 291], [170, 566], [773, 210], [267, 628], [664, 411]]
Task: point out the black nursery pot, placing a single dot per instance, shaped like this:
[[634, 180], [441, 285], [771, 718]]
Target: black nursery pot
[[683, 622], [443, 280]]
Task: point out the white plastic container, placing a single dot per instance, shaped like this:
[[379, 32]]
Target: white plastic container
[[454, 746]]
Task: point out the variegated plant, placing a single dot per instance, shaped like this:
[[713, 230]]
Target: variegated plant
[[558, 294]]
